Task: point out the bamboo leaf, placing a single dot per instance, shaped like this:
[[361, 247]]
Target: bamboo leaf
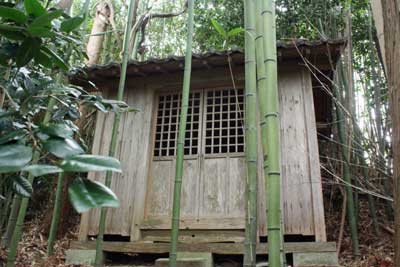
[[12, 14], [13, 157], [42, 169], [218, 27], [22, 186], [86, 194], [71, 24], [33, 7], [86, 163], [62, 148], [235, 31]]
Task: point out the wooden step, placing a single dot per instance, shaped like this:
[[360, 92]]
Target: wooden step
[[188, 259]]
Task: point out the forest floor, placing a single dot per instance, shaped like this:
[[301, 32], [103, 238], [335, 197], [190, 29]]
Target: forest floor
[[376, 250]]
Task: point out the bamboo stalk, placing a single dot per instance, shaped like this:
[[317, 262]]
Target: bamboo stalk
[[251, 133], [362, 162], [16, 237], [346, 173], [56, 215], [12, 219], [271, 118], [60, 180], [114, 135], [181, 139]]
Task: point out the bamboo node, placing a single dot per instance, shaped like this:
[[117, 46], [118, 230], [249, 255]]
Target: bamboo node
[[274, 173], [271, 114]]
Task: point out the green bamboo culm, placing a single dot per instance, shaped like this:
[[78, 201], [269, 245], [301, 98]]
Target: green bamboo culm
[[251, 133], [56, 215], [60, 180], [12, 219], [16, 237], [270, 116], [114, 134], [346, 172], [176, 208]]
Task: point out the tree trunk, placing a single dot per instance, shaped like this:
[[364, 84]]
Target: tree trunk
[[65, 5], [376, 7], [391, 29], [96, 39]]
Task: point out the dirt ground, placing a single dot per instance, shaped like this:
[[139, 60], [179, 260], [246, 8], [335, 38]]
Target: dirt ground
[[376, 250]]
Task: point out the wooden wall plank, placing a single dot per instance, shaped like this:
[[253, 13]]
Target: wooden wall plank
[[296, 191], [216, 248], [222, 192], [313, 163]]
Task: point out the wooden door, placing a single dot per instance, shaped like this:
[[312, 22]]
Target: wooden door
[[214, 166]]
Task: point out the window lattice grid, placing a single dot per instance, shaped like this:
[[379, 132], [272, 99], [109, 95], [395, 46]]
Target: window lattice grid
[[167, 125], [224, 124]]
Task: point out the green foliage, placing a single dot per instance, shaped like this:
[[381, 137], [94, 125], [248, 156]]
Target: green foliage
[[86, 163], [22, 186], [71, 24], [13, 157], [86, 194], [40, 109], [226, 35], [42, 169], [33, 7]]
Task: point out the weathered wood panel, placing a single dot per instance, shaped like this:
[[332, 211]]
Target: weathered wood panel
[[195, 236], [301, 192], [213, 188], [298, 216], [313, 159], [216, 248], [132, 150]]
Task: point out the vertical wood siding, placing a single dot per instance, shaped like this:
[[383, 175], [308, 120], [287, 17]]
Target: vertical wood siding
[[215, 199]]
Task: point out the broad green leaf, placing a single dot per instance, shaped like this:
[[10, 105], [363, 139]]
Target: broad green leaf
[[27, 50], [43, 59], [13, 157], [87, 163], [42, 32], [12, 14], [71, 24], [44, 20], [62, 148], [12, 136], [42, 169], [33, 7], [218, 27], [6, 27], [13, 35], [22, 186], [56, 59], [235, 31], [86, 194], [58, 129]]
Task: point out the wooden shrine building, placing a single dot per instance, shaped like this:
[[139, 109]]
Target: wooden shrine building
[[213, 195]]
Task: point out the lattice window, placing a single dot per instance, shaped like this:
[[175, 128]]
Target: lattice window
[[224, 124], [167, 124]]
